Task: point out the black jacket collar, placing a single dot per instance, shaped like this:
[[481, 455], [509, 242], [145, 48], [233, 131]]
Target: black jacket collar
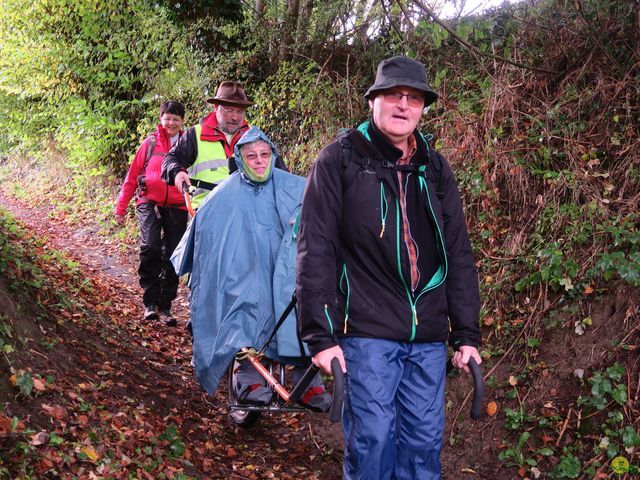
[[391, 153]]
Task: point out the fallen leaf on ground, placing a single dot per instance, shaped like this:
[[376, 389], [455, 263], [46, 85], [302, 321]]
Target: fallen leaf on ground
[[39, 384], [44, 465], [39, 438], [56, 411], [90, 453], [5, 426]]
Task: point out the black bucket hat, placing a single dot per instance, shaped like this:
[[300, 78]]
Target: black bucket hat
[[402, 71]]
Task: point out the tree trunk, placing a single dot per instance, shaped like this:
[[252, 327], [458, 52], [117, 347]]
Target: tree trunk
[[290, 22], [260, 7], [302, 30], [361, 24]]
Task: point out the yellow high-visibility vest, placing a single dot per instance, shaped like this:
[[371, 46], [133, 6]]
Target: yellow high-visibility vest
[[211, 166]]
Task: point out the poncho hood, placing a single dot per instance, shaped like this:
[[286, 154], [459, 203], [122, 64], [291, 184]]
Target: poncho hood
[[254, 134]]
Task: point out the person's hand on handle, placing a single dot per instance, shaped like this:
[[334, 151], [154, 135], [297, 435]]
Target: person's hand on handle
[[461, 357], [180, 179], [120, 220], [322, 359]]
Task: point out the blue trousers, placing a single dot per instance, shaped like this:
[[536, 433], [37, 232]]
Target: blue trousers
[[393, 416]]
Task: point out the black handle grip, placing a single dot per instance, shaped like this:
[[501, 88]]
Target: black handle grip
[[478, 386], [303, 384], [478, 389], [185, 187], [335, 414]]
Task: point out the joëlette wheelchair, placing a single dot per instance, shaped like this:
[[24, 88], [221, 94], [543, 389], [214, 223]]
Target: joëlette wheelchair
[[246, 414]]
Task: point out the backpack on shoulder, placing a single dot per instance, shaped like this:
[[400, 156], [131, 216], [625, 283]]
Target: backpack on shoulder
[[142, 185], [353, 161]]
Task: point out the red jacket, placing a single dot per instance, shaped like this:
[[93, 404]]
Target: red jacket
[[157, 190]]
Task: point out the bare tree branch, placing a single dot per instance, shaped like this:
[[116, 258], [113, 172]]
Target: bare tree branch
[[259, 10], [471, 47], [406, 14], [390, 18]]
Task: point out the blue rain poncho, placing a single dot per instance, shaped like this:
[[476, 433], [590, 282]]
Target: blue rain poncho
[[240, 249]]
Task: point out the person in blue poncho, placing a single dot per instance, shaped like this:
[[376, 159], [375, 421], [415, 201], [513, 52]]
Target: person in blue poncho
[[240, 249]]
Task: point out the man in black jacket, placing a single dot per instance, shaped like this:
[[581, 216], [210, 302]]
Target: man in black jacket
[[386, 277]]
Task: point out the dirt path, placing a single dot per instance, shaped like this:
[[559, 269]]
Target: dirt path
[[279, 446]]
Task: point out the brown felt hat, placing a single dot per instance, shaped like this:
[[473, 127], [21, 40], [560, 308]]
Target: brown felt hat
[[402, 72], [230, 93]]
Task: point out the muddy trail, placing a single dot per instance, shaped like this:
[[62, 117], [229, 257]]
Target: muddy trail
[[125, 393]]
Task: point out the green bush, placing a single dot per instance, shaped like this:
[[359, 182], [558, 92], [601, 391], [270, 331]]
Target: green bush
[[303, 109], [87, 74]]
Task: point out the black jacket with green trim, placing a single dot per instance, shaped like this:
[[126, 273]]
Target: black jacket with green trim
[[353, 270]]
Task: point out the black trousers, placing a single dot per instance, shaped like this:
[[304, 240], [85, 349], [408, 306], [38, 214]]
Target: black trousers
[[161, 229]]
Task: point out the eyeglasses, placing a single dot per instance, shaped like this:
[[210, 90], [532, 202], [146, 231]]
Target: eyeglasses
[[230, 111], [413, 99]]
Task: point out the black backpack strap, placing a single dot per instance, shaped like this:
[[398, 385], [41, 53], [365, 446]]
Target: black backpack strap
[[142, 187], [151, 146], [434, 172], [352, 160], [197, 183], [349, 168], [409, 167]]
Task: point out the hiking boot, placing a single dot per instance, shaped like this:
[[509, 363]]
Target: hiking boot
[[151, 313], [168, 319]]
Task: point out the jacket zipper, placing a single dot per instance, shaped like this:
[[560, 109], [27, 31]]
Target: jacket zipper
[[414, 319], [413, 300]]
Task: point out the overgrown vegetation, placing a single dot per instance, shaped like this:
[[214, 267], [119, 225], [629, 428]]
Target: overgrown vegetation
[[538, 113]]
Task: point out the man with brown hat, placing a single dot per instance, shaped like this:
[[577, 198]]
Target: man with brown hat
[[200, 158], [386, 276]]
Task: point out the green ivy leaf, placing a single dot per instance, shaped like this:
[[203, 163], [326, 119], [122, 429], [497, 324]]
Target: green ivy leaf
[[630, 438], [55, 440], [615, 372], [25, 383], [612, 450], [569, 467], [619, 394], [601, 386], [533, 342]]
